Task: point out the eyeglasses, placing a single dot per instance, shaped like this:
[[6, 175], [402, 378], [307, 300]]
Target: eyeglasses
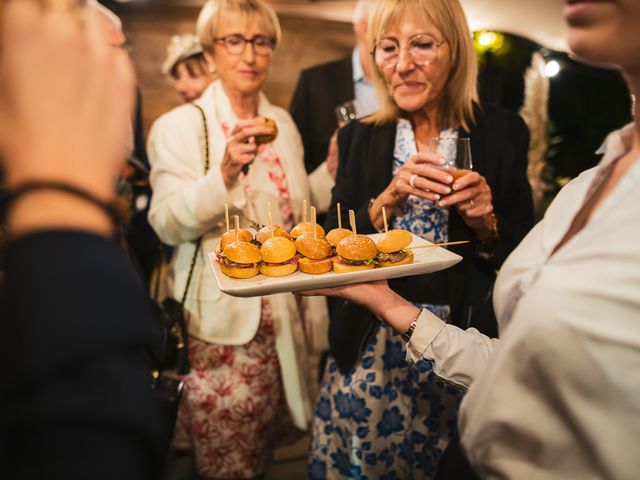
[[236, 43], [422, 49]]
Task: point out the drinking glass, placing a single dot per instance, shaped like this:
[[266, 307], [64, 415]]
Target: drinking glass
[[456, 153], [345, 113]]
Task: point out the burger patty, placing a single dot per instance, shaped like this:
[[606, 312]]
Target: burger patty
[[393, 257], [229, 264], [293, 260], [353, 262]]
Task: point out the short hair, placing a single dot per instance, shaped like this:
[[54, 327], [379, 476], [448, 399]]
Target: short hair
[[215, 12], [196, 65], [460, 93]]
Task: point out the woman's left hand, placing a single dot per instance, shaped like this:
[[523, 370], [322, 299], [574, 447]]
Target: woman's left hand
[[473, 199]]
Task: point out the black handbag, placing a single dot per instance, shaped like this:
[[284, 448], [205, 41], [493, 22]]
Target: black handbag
[[170, 353], [171, 349]]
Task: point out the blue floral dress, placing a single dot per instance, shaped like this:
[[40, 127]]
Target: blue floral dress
[[387, 419]]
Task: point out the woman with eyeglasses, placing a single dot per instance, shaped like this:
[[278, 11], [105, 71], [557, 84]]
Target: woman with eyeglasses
[[379, 416], [248, 380]]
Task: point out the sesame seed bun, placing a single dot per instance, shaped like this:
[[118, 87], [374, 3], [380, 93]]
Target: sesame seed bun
[[242, 252], [305, 227], [314, 248], [315, 267], [394, 241], [241, 273], [357, 247], [406, 261], [267, 232], [230, 237], [337, 234], [339, 267], [277, 250]]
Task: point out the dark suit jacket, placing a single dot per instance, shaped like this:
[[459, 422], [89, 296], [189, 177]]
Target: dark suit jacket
[[320, 89], [75, 401], [499, 145]]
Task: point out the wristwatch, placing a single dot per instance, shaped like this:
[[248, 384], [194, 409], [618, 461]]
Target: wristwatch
[[406, 335]]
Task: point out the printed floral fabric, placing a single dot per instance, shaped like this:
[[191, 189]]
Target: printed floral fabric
[[233, 410], [388, 419]]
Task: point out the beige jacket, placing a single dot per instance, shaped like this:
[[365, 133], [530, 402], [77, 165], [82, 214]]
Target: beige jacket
[[187, 204]]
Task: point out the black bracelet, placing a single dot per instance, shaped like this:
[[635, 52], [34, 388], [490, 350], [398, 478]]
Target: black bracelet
[[25, 188]]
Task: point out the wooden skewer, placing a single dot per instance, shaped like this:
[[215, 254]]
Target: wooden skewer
[[226, 215], [439, 244], [339, 217], [304, 210], [313, 222], [237, 222], [384, 219], [352, 221], [269, 214]]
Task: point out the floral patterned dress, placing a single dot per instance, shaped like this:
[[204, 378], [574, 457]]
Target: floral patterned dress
[[233, 410], [388, 419]]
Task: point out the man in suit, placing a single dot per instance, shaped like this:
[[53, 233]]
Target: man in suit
[[323, 87]]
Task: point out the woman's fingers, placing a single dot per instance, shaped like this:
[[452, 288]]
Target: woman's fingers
[[472, 196]]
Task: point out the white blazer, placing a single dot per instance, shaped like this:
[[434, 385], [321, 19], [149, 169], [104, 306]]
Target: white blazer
[[187, 204]]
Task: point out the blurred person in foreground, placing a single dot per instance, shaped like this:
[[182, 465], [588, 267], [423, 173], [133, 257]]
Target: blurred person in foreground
[[186, 66], [377, 413], [249, 378], [557, 395], [74, 397]]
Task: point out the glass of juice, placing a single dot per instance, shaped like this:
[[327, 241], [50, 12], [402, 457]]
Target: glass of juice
[[456, 153]]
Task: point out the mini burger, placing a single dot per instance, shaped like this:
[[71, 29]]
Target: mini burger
[[240, 260], [334, 237], [278, 257], [267, 232], [316, 254], [392, 247], [306, 227], [356, 252], [230, 237], [267, 137]]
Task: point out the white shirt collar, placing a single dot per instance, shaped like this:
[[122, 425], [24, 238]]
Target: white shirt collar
[[616, 144], [358, 73]]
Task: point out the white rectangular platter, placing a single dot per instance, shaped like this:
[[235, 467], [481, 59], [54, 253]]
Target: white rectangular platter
[[426, 260]]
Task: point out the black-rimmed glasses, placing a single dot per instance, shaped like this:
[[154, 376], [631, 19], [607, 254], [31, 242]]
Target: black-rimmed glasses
[[422, 49], [236, 43]]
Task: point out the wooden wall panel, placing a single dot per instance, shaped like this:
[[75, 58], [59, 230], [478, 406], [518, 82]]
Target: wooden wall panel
[[305, 42]]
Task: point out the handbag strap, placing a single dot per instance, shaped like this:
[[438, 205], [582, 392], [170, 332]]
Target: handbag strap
[[205, 130]]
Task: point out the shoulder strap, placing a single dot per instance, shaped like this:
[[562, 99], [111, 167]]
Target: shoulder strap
[[205, 130]]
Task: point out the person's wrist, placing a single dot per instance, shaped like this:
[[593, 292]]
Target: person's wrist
[[489, 228]]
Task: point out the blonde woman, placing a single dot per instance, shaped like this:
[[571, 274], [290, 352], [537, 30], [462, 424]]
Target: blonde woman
[[248, 355], [378, 416]]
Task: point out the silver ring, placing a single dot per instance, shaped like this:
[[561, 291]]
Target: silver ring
[[471, 203], [411, 180]]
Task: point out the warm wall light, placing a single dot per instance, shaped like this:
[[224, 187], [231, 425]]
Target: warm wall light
[[551, 68], [486, 39]]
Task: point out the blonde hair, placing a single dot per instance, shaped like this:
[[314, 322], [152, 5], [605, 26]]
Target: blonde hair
[[215, 12], [460, 92]]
